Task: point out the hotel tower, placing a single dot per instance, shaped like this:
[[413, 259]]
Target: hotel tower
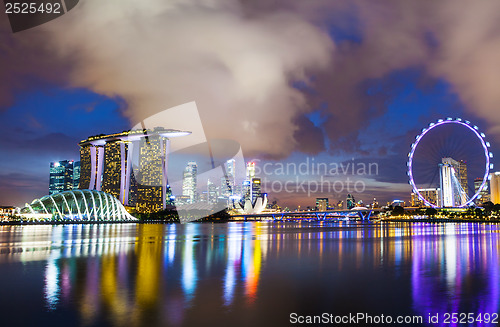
[[107, 165]]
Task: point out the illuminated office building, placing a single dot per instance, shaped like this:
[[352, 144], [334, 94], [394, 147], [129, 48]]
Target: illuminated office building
[[246, 190], [231, 169], [152, 180], [495, 187], [117, 169], [256, 189], [431, 195], [321, 204], [212, 195], [250, 170], [228, 182], [452, 193], [76, 175], [91, 161], [61, 176], [251, 187], [460, 167], [484, 194], [189, 181], [107, 161]]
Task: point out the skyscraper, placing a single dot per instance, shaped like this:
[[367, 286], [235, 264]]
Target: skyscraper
[[484, 194], [189, 181], [152, 175], [91, 160], [250, 170], [76, 175], [231, 169], [451, 194], [107, 161], [117, 169], [61, 176], [495, 187], [256, 189], [228, 182], [212, 195]]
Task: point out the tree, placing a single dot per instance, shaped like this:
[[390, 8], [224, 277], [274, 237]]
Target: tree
[[398, 211], [431, 212], [488, 207]]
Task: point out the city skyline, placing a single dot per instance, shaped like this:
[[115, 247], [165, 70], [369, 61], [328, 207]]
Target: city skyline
[[250, 163], [315, 101]]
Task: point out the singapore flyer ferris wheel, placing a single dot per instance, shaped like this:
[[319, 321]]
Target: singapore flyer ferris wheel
[[449, 164]]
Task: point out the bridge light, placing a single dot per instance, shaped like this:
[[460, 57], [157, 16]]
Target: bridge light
[[491, 166], [467, 122], [449, 118], [491, 155], [459, 119], [488, 144], [424, 130], [431, 124], [475, 127], [482, 135], [440, 120]]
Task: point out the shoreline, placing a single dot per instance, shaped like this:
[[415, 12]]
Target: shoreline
[[398, 220]]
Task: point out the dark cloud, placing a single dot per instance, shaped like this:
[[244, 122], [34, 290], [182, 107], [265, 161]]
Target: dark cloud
[[309, 138], [27, 62], [243, 66]]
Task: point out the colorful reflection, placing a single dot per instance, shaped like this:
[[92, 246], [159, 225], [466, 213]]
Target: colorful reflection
[[160, 275]]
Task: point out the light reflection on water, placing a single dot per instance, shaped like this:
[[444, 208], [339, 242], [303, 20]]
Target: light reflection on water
[[247, 273]]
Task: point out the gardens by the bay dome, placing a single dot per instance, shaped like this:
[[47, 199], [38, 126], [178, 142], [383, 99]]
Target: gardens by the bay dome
[[85, 205]]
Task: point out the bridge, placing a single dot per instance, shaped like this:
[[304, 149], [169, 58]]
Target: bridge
[[361, 213]]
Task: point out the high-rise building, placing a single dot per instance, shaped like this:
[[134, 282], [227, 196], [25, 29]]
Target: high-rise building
[[431, 195], [152, 180], [484, 194], [112, 169], [350, 201], [91, 161], [256, 189], [106, 163], [321, 204], [61, 176], [228, 182], [189, 181], [451, 170], [212, 195], [246, 190], [76, 175], [250, 170], [134, 187], [495, 187]]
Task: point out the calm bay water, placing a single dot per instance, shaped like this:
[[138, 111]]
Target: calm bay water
[[243, 273]]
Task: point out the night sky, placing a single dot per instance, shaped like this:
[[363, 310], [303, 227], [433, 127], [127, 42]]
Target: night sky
[[291, 81]]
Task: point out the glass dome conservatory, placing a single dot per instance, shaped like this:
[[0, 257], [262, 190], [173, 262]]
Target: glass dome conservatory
[[88, 205]]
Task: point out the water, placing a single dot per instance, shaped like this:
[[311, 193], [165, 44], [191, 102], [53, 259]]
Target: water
[[244, 273]]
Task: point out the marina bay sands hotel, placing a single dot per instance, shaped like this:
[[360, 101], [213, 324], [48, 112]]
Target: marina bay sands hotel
[[107, 165]]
